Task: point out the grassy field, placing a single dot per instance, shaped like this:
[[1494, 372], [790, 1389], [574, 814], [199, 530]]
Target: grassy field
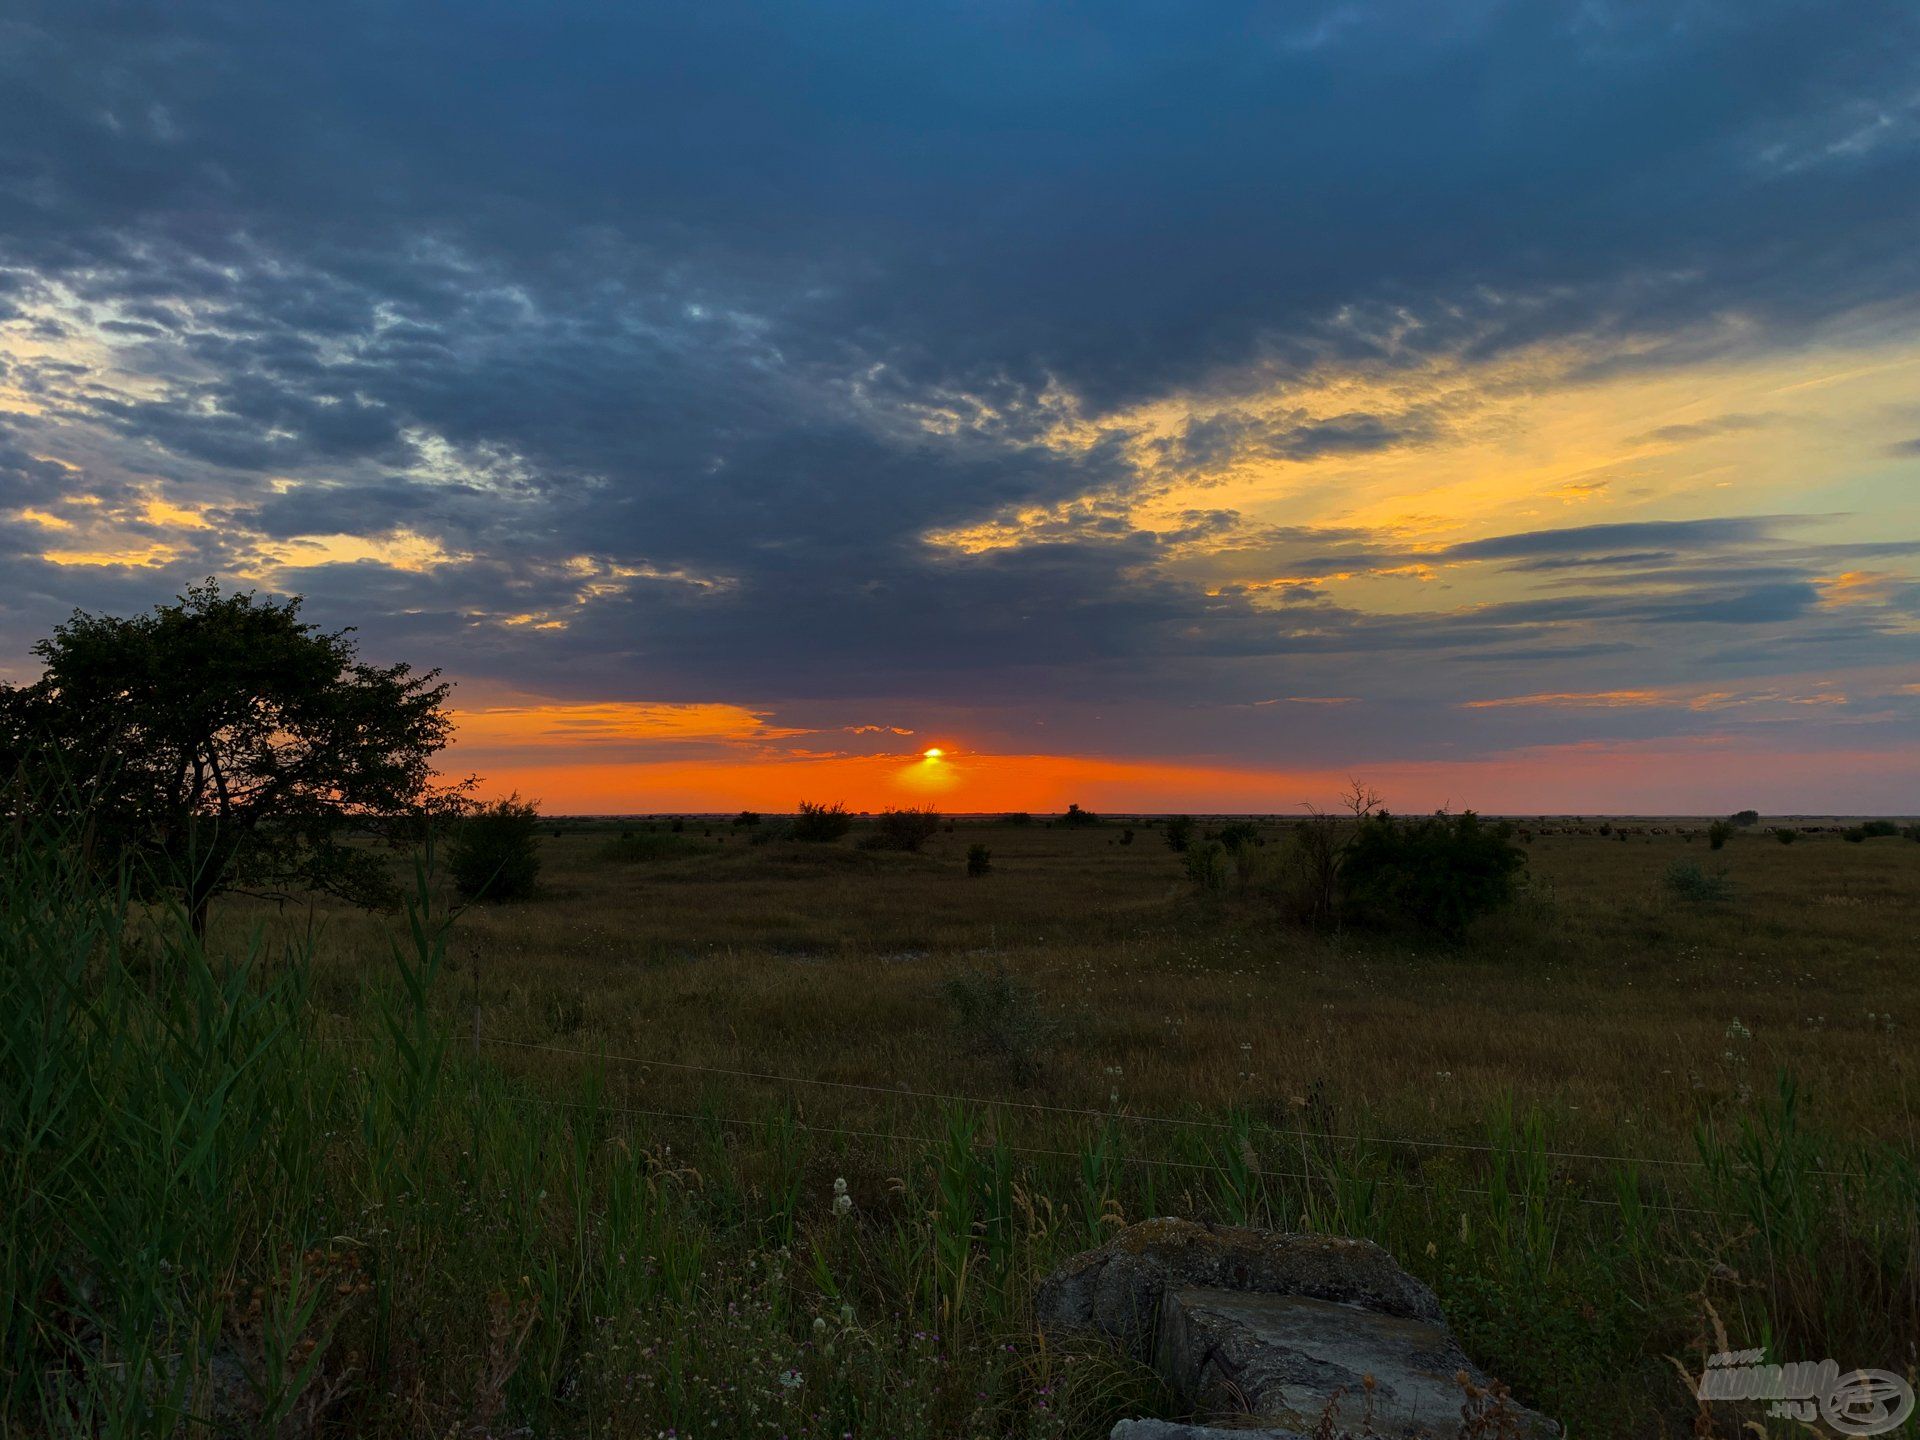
[[570, 1165]]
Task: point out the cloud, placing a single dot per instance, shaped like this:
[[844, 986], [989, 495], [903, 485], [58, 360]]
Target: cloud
[[856, 358]]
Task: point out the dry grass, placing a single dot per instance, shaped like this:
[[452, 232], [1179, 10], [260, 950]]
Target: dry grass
[[663, 1150], [1601, 1000]]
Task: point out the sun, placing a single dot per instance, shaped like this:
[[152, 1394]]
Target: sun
[[933, 752]]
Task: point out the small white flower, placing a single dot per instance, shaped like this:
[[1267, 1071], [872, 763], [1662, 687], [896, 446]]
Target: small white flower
[[792, 1379]]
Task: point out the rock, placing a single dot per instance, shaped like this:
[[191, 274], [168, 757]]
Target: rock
[[1310, 1333], [1174, 1430]]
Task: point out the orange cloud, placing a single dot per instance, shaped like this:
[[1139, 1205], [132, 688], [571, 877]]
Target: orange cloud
[[534, 726], [1576, 700], [1670, 698]]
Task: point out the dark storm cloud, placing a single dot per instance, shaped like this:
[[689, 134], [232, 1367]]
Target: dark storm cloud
[[1585, 540], [742, 302]]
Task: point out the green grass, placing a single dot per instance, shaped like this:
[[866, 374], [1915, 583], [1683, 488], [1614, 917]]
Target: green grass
[[570, 1165]]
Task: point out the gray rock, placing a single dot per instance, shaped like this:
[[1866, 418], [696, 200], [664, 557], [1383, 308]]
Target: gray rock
[[1176, 1430], [1307, 1333]]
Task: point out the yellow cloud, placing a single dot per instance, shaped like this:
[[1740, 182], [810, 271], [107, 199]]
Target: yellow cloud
[[146, 556], [397, 549], [612, 722], [162, 512]]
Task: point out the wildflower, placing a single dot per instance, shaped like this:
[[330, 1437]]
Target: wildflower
[[792, 1379], [842, 1201]]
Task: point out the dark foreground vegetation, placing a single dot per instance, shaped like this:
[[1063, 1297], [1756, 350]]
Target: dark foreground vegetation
[[408, 1175]]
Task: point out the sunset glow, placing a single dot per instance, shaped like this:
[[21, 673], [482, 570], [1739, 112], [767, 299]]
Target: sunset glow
[[1493, 438]]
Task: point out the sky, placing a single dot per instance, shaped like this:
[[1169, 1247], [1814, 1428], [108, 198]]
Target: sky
[[1158, 406]]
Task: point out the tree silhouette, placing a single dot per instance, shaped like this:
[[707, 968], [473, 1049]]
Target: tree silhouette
[[221, 743]]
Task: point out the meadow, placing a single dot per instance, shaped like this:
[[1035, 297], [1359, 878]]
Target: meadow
[[717, 1137]]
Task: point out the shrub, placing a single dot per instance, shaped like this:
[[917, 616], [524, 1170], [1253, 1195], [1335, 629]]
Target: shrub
[[1126, 835], [979, 859], [1436, 874], [1179, 832], [1239, 835], [1786, 836], [1687, 881], [1745, 818], [1017, 817], [1912, 832], [907, 829], [746, 819], [495, 854], [1718, 833], [1209, 866], [821, 824], [1002, 1018], [1077, 818], [1879, 829], [1853, 835]]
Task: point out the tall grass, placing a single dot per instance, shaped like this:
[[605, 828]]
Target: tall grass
[[226, 1213]]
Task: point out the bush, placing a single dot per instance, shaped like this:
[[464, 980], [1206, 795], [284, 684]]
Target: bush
[[1786, 836], [1002, 1018], [1179, 832], [1745, 818], [1017, 817], [979, 859], [1879, 829], [1436, 874], [1854, 834], [746, 819], [907, 830], [1209, 866], [495, 854], [1718, 833], [1239, 835], [1077, 818], [1912, 832], [1126, 835], [821, 824], [1687, 881]]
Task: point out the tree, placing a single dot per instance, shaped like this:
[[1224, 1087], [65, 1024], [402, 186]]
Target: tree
[[495, 854], [1179, 833], [1321, 843], [222, 743], [1077, 818]]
